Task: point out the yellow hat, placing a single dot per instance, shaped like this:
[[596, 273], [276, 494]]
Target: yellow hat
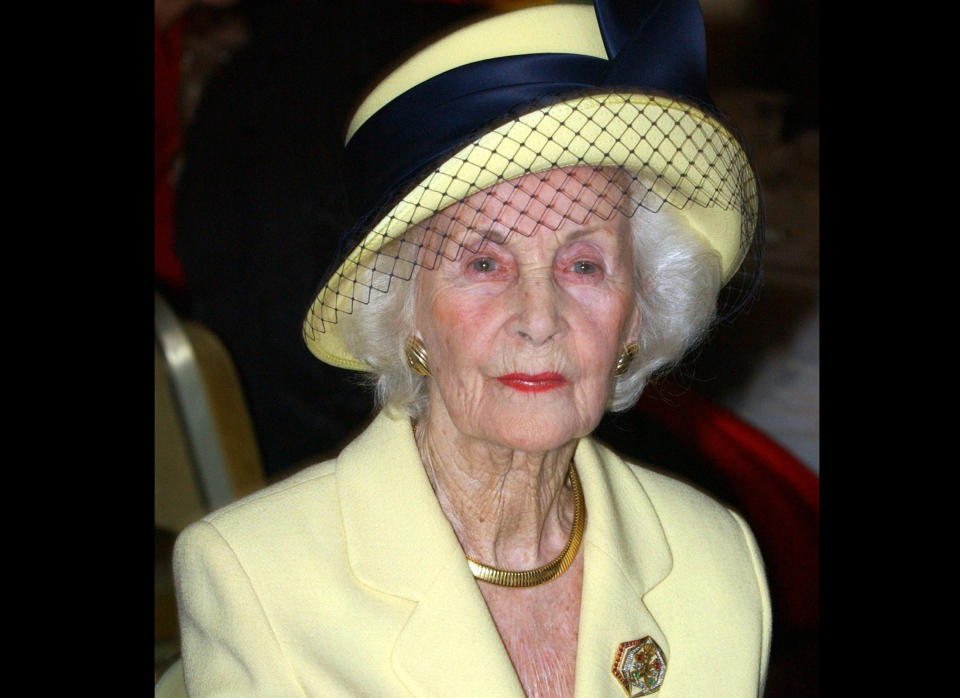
[[615, 85]]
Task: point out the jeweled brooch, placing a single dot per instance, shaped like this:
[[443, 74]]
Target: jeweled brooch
[[640, 667]]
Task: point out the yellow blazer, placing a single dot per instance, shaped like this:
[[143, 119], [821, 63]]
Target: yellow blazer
[[347, 580]]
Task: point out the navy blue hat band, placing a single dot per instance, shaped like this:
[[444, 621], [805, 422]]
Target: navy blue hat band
[[656, 46]]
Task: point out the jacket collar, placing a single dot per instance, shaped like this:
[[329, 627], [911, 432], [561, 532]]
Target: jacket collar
[[400, 543]]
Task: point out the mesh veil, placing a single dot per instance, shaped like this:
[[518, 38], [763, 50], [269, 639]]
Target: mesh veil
[[596, 155]]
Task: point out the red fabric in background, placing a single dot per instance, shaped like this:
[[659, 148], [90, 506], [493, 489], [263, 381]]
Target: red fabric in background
[[167, 50], [776, 493]]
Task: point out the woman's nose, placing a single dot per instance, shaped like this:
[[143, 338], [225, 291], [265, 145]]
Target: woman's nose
[[540, 317]]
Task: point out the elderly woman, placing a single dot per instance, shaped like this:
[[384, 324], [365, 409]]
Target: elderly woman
[[553, 208]]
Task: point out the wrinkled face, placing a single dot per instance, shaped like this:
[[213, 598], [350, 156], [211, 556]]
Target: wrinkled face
[[523, 330]]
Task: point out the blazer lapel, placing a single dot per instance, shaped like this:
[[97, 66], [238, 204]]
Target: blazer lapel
[[400, 543], [626, 555], [453, 630]]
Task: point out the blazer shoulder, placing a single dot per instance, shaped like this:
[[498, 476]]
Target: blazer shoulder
[[690, 517], [696, 521], [686, 510], [307, 495]]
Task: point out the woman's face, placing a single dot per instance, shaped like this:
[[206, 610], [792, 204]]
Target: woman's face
[[523, 331]]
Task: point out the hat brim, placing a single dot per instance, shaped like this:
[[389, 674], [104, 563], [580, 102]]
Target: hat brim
[[685, 157]]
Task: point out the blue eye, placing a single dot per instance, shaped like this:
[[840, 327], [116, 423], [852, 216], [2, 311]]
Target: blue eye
[[483, 265], [583, 267]]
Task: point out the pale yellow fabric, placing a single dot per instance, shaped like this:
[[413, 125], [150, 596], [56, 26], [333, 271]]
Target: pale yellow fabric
[[347, 580], [562, 28]]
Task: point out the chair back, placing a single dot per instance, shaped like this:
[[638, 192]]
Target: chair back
[[205, 449]]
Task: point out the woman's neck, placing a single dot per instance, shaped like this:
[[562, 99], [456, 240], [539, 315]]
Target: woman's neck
[[509, 508]]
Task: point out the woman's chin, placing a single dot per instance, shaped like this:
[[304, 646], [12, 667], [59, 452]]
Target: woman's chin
[[537, 430]]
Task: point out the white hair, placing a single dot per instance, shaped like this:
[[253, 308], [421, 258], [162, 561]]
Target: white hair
[[678, 277]]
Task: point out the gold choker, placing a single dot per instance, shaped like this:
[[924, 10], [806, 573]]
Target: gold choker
[[549, 571]]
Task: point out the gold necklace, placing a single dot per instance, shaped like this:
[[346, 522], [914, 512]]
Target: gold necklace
[[549, 571]]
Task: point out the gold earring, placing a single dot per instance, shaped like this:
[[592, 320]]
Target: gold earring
[[625, 357], [417, 356]]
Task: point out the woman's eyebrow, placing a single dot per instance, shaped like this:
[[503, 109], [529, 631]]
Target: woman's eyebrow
[[476, 238], [585, 231]]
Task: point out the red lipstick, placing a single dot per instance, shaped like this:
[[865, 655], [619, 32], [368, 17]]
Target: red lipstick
[[526, 383]]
